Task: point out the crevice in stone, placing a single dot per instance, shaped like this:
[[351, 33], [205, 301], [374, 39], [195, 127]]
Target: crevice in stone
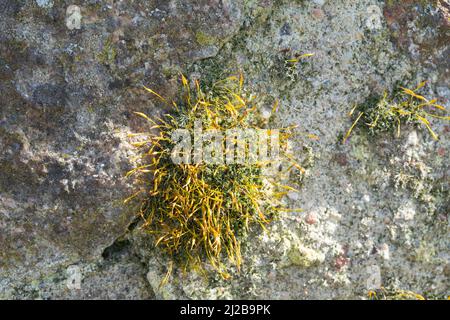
[[121, 244]]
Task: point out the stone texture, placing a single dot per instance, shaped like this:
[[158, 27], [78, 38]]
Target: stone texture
[[66, 99]]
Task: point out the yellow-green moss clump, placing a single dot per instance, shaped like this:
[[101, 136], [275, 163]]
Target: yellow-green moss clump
[[201, 212], [388, 114]]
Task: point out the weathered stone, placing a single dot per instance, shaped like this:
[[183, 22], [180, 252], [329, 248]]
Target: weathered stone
[[66, 74]]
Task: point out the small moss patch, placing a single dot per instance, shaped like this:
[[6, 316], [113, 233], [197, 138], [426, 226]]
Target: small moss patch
[[204, 39]]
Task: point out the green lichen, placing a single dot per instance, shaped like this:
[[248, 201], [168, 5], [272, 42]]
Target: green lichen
[[204, 39], [304, 257]]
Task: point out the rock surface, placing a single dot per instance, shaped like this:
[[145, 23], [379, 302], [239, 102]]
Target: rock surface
[[71, 76]]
